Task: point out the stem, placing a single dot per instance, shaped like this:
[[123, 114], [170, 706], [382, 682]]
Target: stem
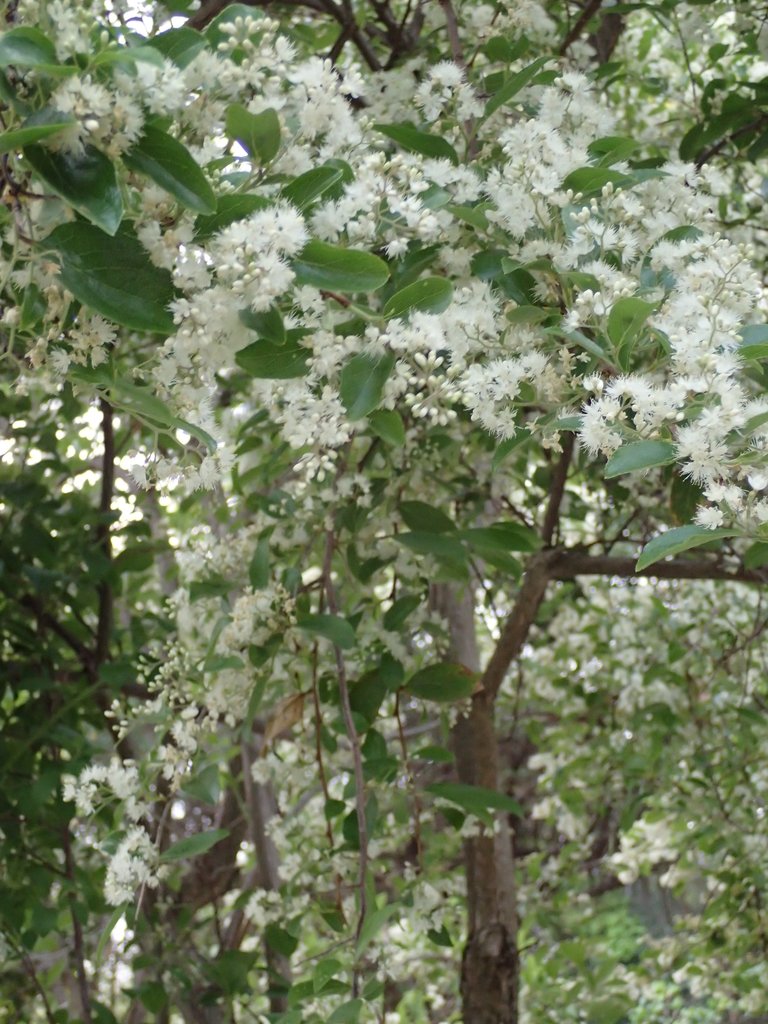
[[77, 930], [354, 739]]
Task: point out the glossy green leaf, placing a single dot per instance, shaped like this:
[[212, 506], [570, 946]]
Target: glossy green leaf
[[194, 846], [442, 546], [414, 140], [26, 47], [429, 295], [442, 683], [347, 1013], [311, 186], [180, 45], [334, 268], [475, 799], [35, 128], [502, 537], [388, 425], [626, 321], [87, 181], [331, 627], [682, 538], [418, 515], [361, 383], [113, 276], [639, 455], [512, 86], [395, 617], [587, 180], [229, 208], [258, 134], [171, 166], [267, 360]]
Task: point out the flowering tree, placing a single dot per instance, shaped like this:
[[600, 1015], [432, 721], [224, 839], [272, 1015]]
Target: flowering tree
[[383, 512]]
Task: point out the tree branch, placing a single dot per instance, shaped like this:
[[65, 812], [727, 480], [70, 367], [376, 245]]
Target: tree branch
[[519, 620], [590, 9], [560, 475], [568, 564]]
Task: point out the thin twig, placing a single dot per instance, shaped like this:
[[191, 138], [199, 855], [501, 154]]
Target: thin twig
[[103, 533], [354, 739]]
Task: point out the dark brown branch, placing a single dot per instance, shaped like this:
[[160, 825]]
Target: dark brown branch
[[560, 475], [590, 9], [519, 620], [717, 147], [568, 564], [48, 621], [345, 18]]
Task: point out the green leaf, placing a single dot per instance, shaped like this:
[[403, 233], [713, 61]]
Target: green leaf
[[268, 361], [258, 134], [106, 933], [337, 269], [612, 149], [625, 322], [39, 126], [347, 1013], [429, 295], [361, 383], [587, 180], [170, 165], [475, 799], [501, 537], [310, 186], [639, 455], [153, 995], [756, 555], [396, 616], [443, 683], [442, 546], [258, 570], [682, 538], [388, 425], [512, 86], [414, 140], [137, 558], [754, 341], [180, 45], [418, 515], [229, 209], [114, 276], [87, 181], [26, 47], [372, 925], [194, 846], [331, 627]]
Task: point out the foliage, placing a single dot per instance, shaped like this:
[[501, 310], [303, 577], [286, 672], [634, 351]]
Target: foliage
[[383, 512]]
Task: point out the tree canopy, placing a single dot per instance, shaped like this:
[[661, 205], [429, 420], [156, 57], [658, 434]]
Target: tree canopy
[[383, 512]]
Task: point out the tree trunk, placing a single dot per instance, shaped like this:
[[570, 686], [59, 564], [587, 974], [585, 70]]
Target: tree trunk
[[490, 966]]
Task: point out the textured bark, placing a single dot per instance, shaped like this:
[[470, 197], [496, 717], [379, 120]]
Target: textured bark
[[490, 966]]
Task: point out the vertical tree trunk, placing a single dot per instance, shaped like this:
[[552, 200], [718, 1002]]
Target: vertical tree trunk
[[490, 966]]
